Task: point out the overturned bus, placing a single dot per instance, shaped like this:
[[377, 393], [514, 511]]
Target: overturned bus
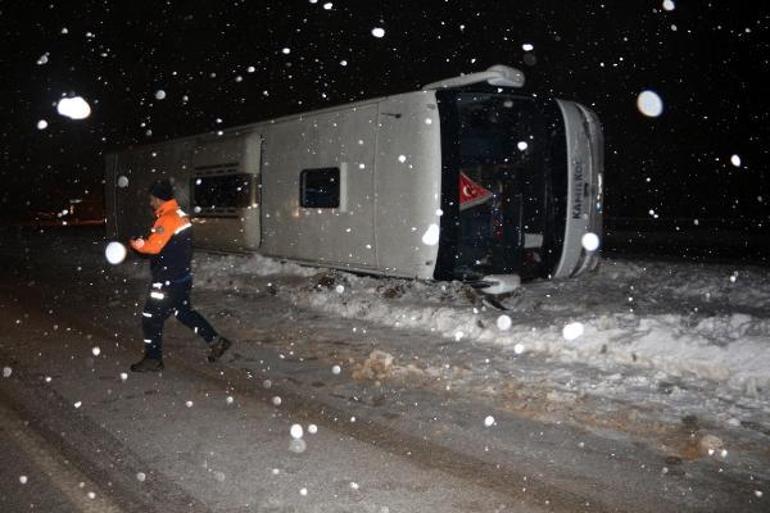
[[466, 179]]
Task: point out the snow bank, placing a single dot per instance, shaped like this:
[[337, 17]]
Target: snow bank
[[685, 319]]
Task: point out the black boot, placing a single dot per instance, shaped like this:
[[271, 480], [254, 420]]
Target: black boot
[[218, 348], [148, 364]]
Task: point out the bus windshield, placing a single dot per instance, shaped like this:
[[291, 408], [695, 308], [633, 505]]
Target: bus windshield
[[498, 151]]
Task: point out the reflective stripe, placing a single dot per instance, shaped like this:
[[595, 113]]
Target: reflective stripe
[[148, 341], [146, 314], [182, 228], [157, 295], [157, 285]]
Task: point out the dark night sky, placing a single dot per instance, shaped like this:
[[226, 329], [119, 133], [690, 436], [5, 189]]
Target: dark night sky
[[708, 71]]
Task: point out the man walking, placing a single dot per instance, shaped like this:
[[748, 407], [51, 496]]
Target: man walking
[[169, 247]]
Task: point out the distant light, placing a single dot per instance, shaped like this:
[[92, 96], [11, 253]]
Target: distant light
[[734, 160], [378, 32], [527, 47], [668, 5], [42, 124], [115, 252], [74, 108], [522, 145], [590, 241], [649, 104], [160, 94]]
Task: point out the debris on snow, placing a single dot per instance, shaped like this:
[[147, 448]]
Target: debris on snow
[[376, 367]]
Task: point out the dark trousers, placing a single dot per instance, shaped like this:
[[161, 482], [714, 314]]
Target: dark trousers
[[163, 300]]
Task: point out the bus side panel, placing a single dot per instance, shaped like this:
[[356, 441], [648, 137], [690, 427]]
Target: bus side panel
[[582, 186], [337, 237], [408, 185]]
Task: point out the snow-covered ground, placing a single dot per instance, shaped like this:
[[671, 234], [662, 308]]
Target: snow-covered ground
[[630, 346], [710, 322]]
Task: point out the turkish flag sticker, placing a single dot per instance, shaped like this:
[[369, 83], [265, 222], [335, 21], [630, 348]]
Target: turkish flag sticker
[[471, 193]]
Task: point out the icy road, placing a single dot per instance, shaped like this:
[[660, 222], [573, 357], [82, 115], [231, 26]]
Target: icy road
[[642, 388]]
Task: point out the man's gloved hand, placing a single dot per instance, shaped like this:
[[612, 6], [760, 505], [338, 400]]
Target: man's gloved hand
[[137, 244]]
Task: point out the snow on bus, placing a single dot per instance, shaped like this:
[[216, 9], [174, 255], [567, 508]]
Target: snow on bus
[[466, 179]]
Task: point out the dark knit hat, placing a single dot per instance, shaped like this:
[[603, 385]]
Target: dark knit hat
[[162, 189]]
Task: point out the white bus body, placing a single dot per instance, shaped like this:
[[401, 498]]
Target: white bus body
[[465, 179]]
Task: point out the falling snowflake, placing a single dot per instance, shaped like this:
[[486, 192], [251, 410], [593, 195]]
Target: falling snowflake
[[229, 399], [189, 404], [42, 124], [296, 431], [572, 330], [402, 158], [115, 253], [78, 404], [649, 103], [312, 429], [522, 145], [23, 479], [340, 289], [96, 350], [527, 47], [160, 94], [735, 160], [140, 476], [668, 5], [489, 421], [378, 32], [336, 369], [519, 348], [123, 376], [431, 235], [74, 108], [277, 400], [7, 371], [504, 323], [590, 241]]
